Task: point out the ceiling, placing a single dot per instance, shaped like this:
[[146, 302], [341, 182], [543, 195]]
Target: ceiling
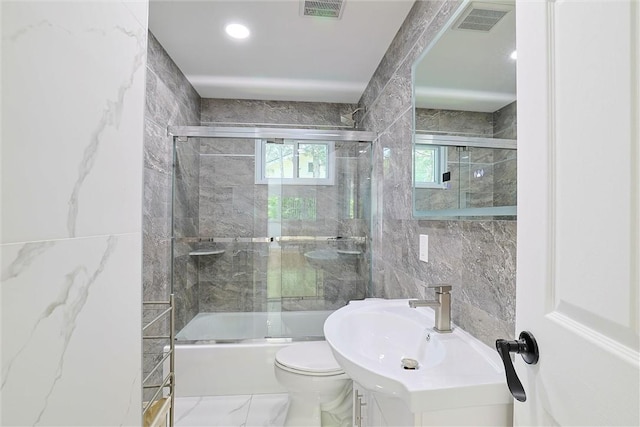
[[288, 57]]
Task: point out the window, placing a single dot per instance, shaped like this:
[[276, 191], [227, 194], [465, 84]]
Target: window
[[430, 162], [294, 162]]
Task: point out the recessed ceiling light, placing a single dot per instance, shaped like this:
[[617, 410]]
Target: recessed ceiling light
[[514, 55], [237, 31]]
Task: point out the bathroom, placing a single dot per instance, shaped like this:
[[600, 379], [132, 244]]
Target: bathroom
[[76, 249]]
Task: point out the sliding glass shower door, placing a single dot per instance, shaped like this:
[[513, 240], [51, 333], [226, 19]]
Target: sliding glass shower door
[[268, 226]]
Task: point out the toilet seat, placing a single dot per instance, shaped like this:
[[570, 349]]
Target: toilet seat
[[310, 358]]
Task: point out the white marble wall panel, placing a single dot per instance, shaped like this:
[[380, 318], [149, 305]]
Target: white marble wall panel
[[74, 75], [73, 84], [66, 359]]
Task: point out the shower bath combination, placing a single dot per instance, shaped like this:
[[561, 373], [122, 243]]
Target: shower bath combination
[[256, 258]]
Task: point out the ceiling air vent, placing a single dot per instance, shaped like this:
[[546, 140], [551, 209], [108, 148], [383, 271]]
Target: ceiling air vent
[[481, 16], [323, 8]]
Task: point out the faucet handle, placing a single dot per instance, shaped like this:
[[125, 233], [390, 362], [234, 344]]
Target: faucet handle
[[441, 288]]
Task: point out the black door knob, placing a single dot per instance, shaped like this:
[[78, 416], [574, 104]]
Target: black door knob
[[527, 347]]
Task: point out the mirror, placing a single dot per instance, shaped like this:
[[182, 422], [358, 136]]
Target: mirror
[[464, 95]]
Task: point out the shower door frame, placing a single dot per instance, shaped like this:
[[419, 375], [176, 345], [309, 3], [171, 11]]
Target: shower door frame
[[285, 133], [182, 133]]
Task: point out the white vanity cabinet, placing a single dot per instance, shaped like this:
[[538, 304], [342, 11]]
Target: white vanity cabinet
[[372, 409], [366, 411]]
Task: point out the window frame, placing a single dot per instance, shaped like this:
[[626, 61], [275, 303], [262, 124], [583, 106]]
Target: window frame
[[440, 166], [260, 166]]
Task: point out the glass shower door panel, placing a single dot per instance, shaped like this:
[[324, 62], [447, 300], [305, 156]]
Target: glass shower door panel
[[479, 177], [185, 195]]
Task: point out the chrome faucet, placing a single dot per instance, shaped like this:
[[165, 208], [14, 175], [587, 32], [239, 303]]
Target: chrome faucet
[[442, 307]]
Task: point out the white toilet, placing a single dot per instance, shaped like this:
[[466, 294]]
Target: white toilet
[[319, 390]]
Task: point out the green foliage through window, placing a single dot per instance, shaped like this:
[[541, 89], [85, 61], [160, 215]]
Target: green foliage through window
[[425, 164], [291, 208]]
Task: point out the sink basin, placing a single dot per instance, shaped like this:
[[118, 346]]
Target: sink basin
[[370, 339]]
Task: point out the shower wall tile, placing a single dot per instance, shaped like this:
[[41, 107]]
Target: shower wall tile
[[226, 171], [156, 155], [396, 172], [267, 113], [478, 259], [186, 198], [505, 184], [227, 146], [427, 199], [170, 101], [454, 122], [185, 284], [70, 253], [505, 123]]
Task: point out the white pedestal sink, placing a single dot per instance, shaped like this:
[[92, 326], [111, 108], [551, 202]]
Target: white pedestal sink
[[370, 338]]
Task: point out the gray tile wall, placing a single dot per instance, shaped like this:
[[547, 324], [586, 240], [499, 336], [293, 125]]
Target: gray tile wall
[[273, 113], [450, 122], [170, 100], [505, 185], [505, 121], [476, 257]]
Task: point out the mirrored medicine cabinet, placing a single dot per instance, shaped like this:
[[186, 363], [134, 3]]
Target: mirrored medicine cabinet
[[464, 97]]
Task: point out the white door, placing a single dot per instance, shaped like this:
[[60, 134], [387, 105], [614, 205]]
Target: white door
[[579, 211]]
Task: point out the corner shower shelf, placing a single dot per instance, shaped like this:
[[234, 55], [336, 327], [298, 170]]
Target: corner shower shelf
[[202, 252]]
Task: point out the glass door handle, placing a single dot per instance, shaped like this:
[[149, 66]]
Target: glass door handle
[[527, 347]]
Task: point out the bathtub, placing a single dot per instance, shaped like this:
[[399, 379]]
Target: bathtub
[[220, 354]]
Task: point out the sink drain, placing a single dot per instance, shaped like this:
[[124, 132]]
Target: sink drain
[[409, 364]]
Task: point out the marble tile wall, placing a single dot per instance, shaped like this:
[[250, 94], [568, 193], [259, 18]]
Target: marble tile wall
[[476, 257], [505, 122], [450, 122], [505, 184], [273, 113], [170, 100], [73, 74]]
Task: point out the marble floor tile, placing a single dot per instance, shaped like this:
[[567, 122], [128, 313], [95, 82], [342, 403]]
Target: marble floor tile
[[268, 410], [258, 410], [227, 411]]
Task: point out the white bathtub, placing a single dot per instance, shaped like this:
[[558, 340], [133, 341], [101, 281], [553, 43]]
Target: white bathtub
[[237, 327], [233, 353]]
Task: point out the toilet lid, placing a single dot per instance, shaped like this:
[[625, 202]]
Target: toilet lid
[[313, 357]]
